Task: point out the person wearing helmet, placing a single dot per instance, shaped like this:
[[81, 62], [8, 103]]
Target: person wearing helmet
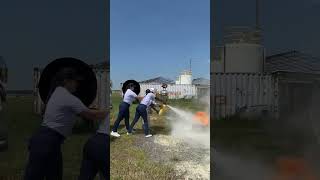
[[148, 109], [141, 111], [128, 98]]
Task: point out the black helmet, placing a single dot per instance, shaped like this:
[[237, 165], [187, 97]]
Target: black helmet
[[148, 91]]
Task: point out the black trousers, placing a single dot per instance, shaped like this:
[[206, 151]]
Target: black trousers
[[95, 157], [45, 157]]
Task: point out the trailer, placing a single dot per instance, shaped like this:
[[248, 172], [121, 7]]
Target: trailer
[[280, 94]]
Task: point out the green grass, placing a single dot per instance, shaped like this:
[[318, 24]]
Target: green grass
[[22, 124], [127, 160], [130, 162]]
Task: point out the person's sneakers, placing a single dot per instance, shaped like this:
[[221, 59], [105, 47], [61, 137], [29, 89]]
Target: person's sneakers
[[115, 134], [149, 135], [129, 133]]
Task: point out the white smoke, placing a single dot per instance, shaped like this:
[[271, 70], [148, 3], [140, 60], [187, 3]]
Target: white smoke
[[184, 127], [233, 167], [194, 134]]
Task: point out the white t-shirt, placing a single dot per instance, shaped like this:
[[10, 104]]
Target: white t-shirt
[[61, 110], [129, 96], [148, 99]]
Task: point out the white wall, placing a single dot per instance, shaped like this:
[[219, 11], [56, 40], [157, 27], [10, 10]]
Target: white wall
[[232, 91], [176, 91]]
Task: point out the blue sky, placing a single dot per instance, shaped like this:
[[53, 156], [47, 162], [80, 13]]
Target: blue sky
[[287, 24], [150, 38], [35, 32]]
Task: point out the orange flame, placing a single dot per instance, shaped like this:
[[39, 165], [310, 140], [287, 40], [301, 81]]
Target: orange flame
[[202, 117], [290, 168]]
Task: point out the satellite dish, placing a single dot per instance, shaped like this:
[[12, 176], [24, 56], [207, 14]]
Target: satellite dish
[[87, 87]]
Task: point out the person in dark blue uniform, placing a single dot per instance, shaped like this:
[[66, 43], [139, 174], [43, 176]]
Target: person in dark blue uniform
[[95, 154]]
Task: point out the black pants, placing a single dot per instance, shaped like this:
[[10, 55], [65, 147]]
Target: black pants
[[95, 157], [45, 157], [141, 110], [123, 113]]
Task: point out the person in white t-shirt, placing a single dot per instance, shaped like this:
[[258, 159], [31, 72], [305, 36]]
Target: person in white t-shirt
[[141, 110], [128, 98], [45, 157]]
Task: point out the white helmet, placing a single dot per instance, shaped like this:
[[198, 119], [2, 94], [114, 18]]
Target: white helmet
[[153, 90]]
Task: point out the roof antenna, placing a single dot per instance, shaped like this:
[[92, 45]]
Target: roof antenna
[[258, 14]]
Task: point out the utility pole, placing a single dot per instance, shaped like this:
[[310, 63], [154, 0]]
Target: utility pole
[[258, 14], [190, 62]]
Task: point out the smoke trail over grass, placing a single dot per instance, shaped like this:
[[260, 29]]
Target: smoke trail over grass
[[186, 128], [194, 140]]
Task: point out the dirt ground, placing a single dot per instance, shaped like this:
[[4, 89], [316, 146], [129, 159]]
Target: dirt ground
[[160, 157], [189, 161]]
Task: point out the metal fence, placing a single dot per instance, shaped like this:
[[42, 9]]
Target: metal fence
[[237, 92], [285, 95]]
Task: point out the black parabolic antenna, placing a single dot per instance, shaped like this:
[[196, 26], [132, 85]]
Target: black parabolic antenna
[[136, 89], [87, 89]]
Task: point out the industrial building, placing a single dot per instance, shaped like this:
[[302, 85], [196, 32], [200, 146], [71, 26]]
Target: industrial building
[[184, 87], [245, 81]]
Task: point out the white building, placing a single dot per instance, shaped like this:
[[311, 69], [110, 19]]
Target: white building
[[185, 78], [241, 52], [175, 91]]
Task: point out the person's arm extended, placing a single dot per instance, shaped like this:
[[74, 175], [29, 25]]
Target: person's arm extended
[[139, 98], [154, 108], [93, 114]]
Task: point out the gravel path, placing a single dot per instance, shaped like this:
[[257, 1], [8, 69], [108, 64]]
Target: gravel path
[[189, 161]]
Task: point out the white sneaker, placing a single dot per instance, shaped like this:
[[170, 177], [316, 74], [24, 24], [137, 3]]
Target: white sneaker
[[115, 134], [129, 133], [149, 135]]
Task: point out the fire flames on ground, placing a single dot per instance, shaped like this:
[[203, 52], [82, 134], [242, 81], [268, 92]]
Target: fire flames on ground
[[291, 168], [202, 118]]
